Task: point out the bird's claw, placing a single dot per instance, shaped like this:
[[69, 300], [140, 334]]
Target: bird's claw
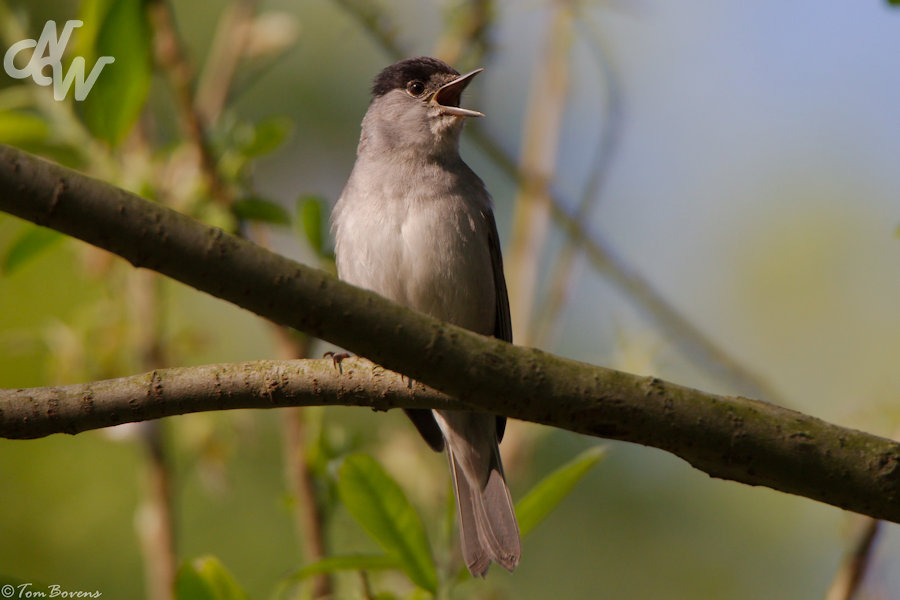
[[337, 358]]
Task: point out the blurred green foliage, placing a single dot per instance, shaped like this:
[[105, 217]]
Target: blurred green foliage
[[118, 96], [28, 245], [22, 129], [312, 222], [205, 578], [260, 210]]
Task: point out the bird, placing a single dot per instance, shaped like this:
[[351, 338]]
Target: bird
[[415, 224]]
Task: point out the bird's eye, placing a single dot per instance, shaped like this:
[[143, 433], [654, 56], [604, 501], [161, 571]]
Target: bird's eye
[[415, 88]]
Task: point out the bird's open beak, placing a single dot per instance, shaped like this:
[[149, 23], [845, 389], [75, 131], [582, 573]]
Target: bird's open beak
[[447, 96]]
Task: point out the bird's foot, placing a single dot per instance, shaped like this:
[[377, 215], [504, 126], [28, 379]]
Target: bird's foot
[[337, 358]]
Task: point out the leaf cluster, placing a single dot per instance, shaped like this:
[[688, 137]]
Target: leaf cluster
[[380, 506]]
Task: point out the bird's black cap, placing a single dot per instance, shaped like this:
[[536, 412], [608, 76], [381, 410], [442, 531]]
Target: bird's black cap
[[399, 74]]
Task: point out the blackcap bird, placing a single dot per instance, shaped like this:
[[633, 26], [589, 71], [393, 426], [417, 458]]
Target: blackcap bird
[[415, 224]]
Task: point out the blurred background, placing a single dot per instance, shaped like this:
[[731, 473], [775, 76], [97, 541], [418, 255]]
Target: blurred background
[[731, 170]]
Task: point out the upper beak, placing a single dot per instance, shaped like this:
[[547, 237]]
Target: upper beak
[[447, 96]]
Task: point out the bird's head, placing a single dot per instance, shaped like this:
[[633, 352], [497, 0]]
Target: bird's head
[[415, 105]]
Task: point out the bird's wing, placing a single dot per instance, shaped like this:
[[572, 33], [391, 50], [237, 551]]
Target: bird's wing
[[428, 428], [423, 419], [502, 321]]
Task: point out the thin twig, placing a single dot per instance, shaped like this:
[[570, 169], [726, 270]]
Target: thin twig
[[561, 285], [156, 522], [155, 516], [376, 23], [159, 536], [543, 120], [232, 35], [308, 515], [170, 55], [469, 23], [850, 575], [260, 66], [367, 592], [196, 112], [849, 578], [174, 63]]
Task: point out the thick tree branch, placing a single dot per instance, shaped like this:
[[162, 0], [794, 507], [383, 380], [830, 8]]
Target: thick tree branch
[[733, 438]]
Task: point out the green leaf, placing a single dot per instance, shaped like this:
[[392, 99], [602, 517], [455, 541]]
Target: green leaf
[[352, 562], [21, 128], [91, 14], [543, 498], [205, 578], [310, 209], [380, 506], [259, 209], [114, 103], [30, 244], [268, 135]]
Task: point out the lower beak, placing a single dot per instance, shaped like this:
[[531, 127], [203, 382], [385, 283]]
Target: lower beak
[[447, 96]]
